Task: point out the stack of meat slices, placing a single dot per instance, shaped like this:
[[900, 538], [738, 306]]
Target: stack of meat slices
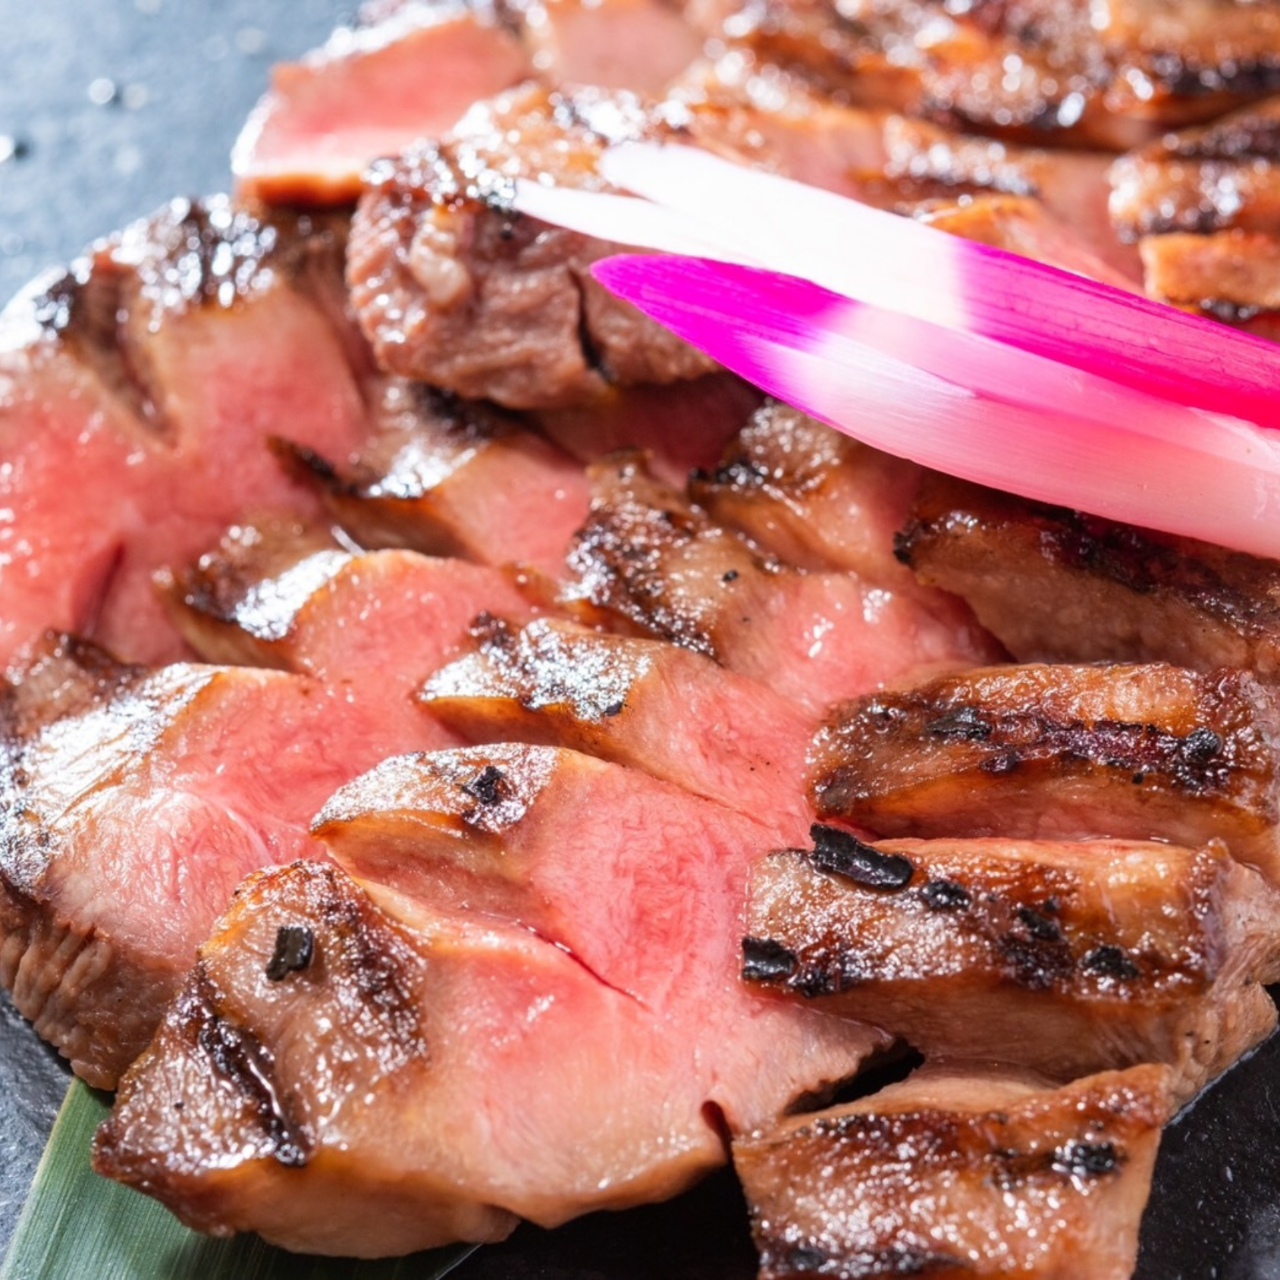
[[466, 759]]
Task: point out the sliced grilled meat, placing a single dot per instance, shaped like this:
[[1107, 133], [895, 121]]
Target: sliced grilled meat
[[428, 474], [1061, 957], [455, 290], [649, 559], [1061, 586], [132, 802], [160, 365], [377, 622], [1232, 276], [411, 69], [814, 496], [1042, 72], [643, 703], [1056, 204], [369, 92], [1065, 752], [680, 426], [960, 1170], [356, 1079], [1217, 177]]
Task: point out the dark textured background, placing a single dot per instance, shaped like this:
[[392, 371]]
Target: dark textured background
[[106, 110]]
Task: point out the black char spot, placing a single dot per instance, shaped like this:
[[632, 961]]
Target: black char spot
[[845, 855], [963, 724], [295, 949], [1040, 927], [1086, 1159], [945, 895], [764, 960], [487, 786], [1111, 962]]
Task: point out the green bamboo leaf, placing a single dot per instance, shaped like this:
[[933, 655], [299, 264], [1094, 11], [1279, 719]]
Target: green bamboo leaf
[[78, 1224]]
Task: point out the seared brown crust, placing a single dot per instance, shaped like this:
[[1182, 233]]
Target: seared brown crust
[[1061, 586], [95, 1004], [811, 495], [1063, 957], [957, 1172], [425, 476], [192, 254], [643, 703], [237, 603], [1062, 751], [219, 1088], [453, 288], [1232, 276], [1212, 178], [1112, 77]]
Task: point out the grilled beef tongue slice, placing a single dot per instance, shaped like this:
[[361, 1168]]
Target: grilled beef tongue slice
[[1217, 177], [411, 69], [160, 364], [454, 289], [680, 425], [132, 802], [1055, 585], [1063, 957], [1109, 77], [376, 1098], [370, 91], [1232, 276], [270, 596], [960, 1169], [642, 703], [647, 558], [1065, 752], [427, 474]]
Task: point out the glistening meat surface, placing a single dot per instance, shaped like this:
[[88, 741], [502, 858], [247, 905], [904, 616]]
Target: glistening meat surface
[[161, 365]]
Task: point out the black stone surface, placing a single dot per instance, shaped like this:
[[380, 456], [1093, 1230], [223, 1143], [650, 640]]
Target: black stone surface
[[107, 109]]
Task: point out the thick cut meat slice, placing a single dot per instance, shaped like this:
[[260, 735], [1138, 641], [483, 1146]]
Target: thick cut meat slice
[[370, 92], [414, 67], [1217, 177], [1055, 585], [428, 475], [1067, 752], [1229, 275], [1022, 225], [1058, 202], [370, 1080], [649, 559], [642, 703], [455, 290], [160, 365], [680, 426], [814, 496], [960, 1170], [1061, 957], [377, 622], [132, 802], [1054, 71]]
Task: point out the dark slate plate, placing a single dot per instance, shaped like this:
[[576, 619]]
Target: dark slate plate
[[106, 111]]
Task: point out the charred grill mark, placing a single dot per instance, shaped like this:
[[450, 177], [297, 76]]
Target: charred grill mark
[[784, 1259], [378, 965], [846, 856], [239, 1058], [764, 960], [295, 949]]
